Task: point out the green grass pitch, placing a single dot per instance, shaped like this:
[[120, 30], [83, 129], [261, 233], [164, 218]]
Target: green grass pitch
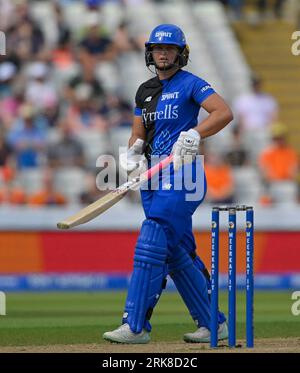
[[78, 317]]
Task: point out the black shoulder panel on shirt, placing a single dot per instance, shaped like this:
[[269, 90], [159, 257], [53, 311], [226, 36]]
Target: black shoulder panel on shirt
[[153, 83], [149, 88], [147, 98]]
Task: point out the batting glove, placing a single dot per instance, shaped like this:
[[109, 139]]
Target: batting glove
[[134, 158], [186, 148]]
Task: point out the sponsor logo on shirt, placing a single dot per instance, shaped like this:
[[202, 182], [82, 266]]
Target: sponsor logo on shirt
[[169, 96], [162, 143], [205, 88], [160, 34], [148, 99], [167, 186], [170, 112]]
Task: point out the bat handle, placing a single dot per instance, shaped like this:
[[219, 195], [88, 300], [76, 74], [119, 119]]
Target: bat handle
[[155, 169]]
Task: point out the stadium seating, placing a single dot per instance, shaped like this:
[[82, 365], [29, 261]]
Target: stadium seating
[[215, 56], [247, 184], [70, 182], [94, 143], [31, 180], [284, 192]]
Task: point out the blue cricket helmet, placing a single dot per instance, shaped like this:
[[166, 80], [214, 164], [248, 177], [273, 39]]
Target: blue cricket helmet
[[167, 34]]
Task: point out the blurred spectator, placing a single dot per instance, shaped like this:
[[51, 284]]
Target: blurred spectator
[[96, 46], [279, 168], [236, 6], [220, 184], [10, 192], [124, 42], [5, 151], [279, 162], [9, 95], [27, 139], [83, 113], [21, 11], [86, 76], [62, 30], [7, 8], [7, 174], [13, 195], [62, 56], [48, 195], [237, 155], [25, 38], [48, 117], [7, 74], [67, 151], [40, 91], [255, 112], [118, 111], [262, 6]]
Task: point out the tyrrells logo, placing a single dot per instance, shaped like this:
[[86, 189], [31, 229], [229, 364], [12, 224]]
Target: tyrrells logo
[[169, 96], [160, 34], [170, 112]]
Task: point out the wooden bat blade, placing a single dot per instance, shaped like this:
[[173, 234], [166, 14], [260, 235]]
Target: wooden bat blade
[[91, 211], [104, 203]]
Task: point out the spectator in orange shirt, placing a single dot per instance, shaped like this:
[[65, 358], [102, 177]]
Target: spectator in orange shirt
[[279, 162], [220, 184], [10, 192], [63, 56], [13, 195], [48, 195]]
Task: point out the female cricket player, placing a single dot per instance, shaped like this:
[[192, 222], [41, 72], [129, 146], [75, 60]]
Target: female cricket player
[[165, 121]]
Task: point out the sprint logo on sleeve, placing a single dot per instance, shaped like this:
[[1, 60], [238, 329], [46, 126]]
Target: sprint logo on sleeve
[[205, 88]]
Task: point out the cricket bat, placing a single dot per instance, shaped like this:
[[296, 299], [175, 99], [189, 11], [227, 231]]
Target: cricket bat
[[104, 203]]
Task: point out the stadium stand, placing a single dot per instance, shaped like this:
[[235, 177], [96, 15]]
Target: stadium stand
[[216, 55]]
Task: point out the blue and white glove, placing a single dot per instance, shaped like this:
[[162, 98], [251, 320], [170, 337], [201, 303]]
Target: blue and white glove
[[186, 148], [134, 159]]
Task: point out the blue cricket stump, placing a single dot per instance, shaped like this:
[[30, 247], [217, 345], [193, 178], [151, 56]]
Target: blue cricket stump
[[232, 277], [232, 274], [214, 276], [249, 277]]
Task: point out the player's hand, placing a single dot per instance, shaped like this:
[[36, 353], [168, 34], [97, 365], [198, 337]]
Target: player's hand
[[185, 148], [134, 159]]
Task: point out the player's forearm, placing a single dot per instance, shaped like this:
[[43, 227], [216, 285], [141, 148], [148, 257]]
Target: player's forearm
[[216, 121], [138, 131], [133, 139]]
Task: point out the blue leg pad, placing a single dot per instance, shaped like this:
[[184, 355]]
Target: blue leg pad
[[191, 284], [200, 265], [148, 276]]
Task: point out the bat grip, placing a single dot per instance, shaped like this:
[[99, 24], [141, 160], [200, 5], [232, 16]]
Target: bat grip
[[155, 169]]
